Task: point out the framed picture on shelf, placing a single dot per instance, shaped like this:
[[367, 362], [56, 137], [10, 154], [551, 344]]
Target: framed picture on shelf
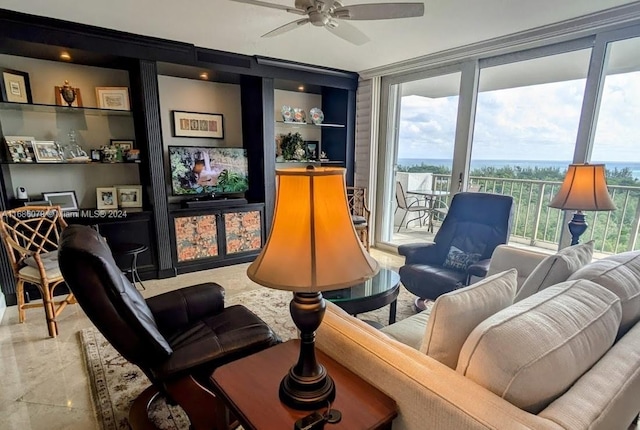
[[15, 86], [65, 199], [124, 145], [116, 98], [60, 101], [20, 149], [107, 198], [130, 196], [197, 124], [46, 151]]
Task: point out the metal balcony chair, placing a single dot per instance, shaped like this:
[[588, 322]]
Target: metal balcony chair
[[409, 207]]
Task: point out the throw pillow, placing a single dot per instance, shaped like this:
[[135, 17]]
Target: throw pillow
[[459, 260], [533, 351], [556, 268], [454, 315], [619, 274]]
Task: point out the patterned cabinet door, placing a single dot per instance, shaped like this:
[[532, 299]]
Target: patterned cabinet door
[[196, 237], [243, 231]]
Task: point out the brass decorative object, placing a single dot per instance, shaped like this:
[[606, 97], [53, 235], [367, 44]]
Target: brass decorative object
[[68, 93]]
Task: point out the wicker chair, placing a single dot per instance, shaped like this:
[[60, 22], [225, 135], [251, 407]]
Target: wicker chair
[[357, 198], [31, 235]]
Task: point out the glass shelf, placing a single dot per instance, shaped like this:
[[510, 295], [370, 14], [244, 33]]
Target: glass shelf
[[307, 124], [77, 163], [34, 107]]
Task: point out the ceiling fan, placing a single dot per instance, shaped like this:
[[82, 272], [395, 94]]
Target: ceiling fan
[[331, 14]]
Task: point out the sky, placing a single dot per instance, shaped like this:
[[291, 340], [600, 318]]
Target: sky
[[537, 122]]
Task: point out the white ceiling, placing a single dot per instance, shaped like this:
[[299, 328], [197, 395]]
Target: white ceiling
[[236, 27]]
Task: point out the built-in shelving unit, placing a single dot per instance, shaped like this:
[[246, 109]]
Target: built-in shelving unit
[[246, 92], [44, 108], [294, 124]]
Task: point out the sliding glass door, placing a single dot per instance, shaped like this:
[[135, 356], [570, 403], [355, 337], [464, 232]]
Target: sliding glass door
[[423, 116]]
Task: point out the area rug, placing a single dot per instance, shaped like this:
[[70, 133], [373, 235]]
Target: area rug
[[115, 382]]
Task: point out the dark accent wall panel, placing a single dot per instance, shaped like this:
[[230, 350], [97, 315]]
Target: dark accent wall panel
[[258, 132], [146, 105], [338, 106]]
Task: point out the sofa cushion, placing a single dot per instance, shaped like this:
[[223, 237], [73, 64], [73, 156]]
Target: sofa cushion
[[619, 274], [49, 260], [454, 315], [531, 352], [556, 268], [409, 331]]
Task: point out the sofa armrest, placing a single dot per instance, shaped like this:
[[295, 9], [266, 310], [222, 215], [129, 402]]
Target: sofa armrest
[[507, 257], [479, 268], [418, 253], [429, 395], [179, 308]]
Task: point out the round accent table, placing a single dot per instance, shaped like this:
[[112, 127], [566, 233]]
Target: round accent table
[[374, 293], [132, 249]]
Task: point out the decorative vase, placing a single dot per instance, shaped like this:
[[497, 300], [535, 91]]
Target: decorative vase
[[68, 93]]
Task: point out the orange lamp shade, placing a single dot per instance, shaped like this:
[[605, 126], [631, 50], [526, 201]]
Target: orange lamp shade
[[584, 189], [312, 245]]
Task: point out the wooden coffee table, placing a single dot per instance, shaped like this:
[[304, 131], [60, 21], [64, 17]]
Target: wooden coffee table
[[249, 388]]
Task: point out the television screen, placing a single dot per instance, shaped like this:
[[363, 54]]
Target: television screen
[[201, 170]]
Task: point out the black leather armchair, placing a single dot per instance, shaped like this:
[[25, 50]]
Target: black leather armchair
[[475, 224], [177, 338]]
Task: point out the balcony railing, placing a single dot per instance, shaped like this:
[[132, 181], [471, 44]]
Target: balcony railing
[[536, 223]]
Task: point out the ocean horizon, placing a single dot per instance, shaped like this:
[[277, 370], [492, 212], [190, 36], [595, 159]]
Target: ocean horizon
[[478, 164]]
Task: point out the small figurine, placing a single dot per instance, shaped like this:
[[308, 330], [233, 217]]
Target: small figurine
[[68, 93]]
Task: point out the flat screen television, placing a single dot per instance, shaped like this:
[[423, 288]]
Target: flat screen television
[[212, 171]]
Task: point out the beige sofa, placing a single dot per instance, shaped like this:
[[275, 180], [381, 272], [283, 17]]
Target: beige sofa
[[431, 395]]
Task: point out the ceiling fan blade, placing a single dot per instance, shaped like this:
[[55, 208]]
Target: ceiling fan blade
[[287, 27], [380, 11], [272, 6], [349, 33]]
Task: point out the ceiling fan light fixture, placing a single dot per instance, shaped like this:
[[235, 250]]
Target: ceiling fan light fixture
[[325, 13]]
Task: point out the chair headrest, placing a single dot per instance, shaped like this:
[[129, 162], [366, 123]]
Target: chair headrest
[[108, 298]]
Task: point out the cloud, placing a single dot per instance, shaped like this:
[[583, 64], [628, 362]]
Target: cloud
[[537, 122]]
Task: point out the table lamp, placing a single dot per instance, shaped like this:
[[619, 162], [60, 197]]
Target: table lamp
[[312, 247], [584, 189]]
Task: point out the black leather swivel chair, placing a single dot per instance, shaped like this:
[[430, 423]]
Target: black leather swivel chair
[[177, 338], [475, 224]]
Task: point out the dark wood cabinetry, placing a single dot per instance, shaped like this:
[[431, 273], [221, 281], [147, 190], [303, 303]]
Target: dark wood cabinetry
[[144, 60], [207, 238]]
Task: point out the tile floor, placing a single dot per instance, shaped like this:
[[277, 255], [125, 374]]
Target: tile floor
[[44, 383]]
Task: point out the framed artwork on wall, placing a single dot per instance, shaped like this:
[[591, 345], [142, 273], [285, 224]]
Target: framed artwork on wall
[[197, 124], [107, 198], [15, 86], [65, 199], [116, 98]]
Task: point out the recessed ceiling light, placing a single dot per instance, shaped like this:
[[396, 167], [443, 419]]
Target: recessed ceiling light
[[204, 75], [301, 88], [65, 56]]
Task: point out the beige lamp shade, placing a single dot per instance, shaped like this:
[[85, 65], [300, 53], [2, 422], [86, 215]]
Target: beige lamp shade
[[584, 189], [313, 245]]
